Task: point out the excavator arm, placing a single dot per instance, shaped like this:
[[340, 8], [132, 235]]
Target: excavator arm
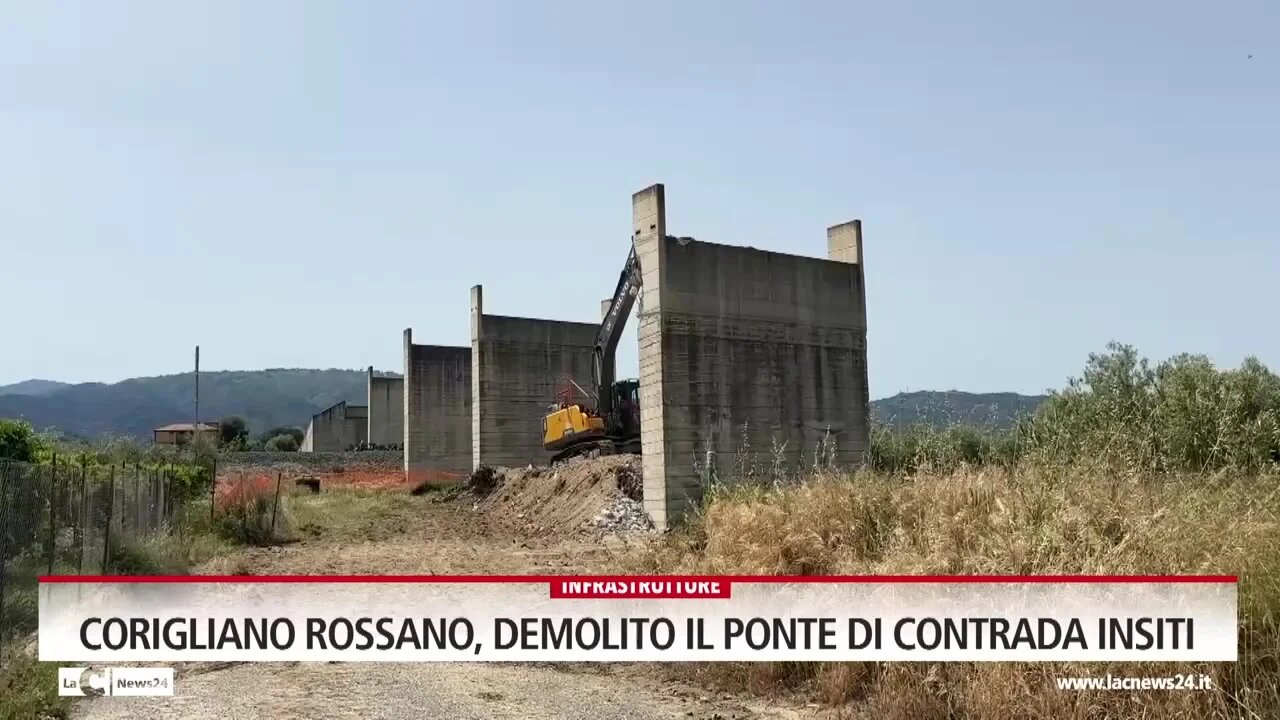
[[603, 369], [613, 426]]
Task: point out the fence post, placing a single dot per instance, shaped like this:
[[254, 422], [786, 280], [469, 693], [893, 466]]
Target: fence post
[[106, 534], [82, 515], [53, 513], [275, 506], [165, 481], [213, 492], [137, 499], [157, 500], [4, 538]]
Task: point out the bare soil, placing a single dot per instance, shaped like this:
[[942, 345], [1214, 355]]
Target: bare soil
[[535, 522]]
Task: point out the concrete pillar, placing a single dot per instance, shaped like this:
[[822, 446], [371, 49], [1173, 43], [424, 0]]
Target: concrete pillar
[[664, 497], [844, 244], [368, 401], [408, 395], [477, 313]]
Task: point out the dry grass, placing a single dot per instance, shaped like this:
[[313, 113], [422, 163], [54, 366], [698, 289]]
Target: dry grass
[[998, 523]]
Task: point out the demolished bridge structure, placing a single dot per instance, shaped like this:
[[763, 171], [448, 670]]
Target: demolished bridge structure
[[748, 358]]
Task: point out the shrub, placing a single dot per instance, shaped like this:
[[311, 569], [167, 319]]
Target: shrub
[[156, 556], [233, 430], [947, 449], [19, 441], [29, 689], [296, 433], [283, 443], [1123, 417], [249, 511], [190, 481]]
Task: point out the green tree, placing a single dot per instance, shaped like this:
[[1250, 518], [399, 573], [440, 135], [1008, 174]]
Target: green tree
[[283, 443], [19, 441], [1183, 415], [233, 430], [296, 433]]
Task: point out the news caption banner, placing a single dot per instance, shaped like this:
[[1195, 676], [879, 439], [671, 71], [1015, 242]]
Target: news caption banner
[[637, 619]]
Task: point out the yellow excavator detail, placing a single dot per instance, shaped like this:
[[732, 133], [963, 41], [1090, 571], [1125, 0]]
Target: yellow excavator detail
[[613, 424], [569, 425]]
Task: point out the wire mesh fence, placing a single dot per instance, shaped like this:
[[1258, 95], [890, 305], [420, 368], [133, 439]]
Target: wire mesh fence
[[59, 518]]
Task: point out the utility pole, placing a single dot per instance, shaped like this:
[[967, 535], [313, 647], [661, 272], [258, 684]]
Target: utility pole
[[195, 429]]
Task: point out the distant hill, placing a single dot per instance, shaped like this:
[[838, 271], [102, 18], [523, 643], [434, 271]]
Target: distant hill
[[264, 398], [953, 407], [270, 398], [32, 387]]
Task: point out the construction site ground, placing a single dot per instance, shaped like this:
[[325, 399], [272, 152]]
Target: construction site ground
[[539, 521]]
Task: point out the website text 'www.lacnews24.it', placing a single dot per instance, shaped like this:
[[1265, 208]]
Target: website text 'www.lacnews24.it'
[[1188, 681]]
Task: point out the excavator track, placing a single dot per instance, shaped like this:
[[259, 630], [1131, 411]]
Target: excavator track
[[597, 448]]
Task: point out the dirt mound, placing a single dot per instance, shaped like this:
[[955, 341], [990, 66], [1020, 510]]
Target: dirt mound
[[586, 495]]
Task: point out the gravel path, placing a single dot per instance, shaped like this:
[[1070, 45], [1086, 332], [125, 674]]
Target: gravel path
[[446, 691], [412, 535]]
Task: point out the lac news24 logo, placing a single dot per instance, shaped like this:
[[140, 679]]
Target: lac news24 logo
[[99, 682]]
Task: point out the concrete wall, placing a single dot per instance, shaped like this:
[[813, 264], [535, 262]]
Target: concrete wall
[[745, 354], [337, 428], [386, 410], [516, 367], [436, 411]]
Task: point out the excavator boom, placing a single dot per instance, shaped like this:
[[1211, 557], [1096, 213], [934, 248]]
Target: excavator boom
[[624, 298]]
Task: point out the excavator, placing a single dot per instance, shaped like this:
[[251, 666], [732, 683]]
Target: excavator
[[612, 426]]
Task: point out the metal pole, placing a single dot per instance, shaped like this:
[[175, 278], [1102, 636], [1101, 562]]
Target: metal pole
[[275, 506], [106, 535], [82, 515]]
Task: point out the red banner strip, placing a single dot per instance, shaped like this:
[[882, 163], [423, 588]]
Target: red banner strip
[[633, 589], [725, 579]]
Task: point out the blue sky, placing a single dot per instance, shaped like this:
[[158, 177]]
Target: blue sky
[[292, 184]]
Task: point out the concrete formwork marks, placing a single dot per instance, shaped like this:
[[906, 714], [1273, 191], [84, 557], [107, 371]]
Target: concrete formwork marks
[[517, 367], [437, 410], [750, 361], [386, 410], [336, 428]]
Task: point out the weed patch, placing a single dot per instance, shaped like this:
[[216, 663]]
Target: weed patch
[[252, 511], [29, 689], [998, 522]]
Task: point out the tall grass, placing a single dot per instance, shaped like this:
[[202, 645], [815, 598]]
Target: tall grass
[[1128, 470], [999, 522], [250, 510]]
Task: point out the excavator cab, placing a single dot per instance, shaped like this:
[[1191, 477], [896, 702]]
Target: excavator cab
[[626, 408]]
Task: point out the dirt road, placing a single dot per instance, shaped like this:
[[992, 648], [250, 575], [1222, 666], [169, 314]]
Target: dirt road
[[413, 535]]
